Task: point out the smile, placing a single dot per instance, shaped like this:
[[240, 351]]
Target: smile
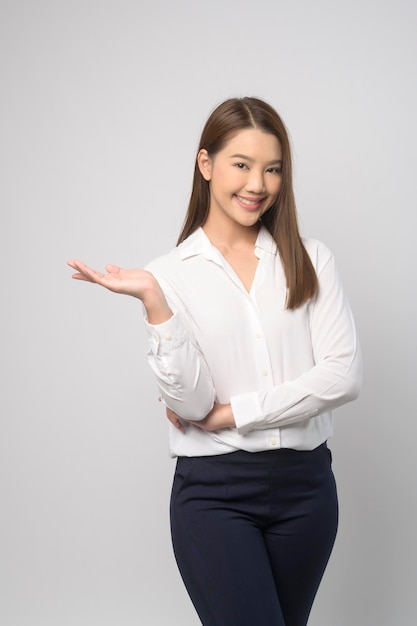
[[250, 203]]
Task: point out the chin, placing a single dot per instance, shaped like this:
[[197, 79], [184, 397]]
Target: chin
[[252, 218]]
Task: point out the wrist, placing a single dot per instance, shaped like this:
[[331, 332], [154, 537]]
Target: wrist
[[156, 306], [227, 416], [230, 417]]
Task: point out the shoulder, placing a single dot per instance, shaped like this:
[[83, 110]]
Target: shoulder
[[164, 262], [318, 252], [172, 263]]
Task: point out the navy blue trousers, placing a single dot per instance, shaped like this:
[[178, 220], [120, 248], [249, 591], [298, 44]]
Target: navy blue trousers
[[252, 533]]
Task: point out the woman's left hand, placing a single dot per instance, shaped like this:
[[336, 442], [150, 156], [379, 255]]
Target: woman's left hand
[[220, 416]]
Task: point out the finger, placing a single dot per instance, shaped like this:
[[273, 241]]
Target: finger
[[76, 264], [82, 267], [175, 420], [180, 427], [90, 274], [112, 269], [81, 277]]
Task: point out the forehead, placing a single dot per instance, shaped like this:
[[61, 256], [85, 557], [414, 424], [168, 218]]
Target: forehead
[[253, 143]]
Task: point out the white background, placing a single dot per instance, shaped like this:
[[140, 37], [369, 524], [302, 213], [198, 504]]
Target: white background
[[102, 104]]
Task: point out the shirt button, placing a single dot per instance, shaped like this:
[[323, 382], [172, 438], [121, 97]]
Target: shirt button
[[264, 372], [258, 335], [273, 442], [258, 252], [168, 337]]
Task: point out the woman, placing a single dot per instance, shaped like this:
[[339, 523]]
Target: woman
[[253, 344]]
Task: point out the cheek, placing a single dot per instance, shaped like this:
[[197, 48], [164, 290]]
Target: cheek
[[275, 187]]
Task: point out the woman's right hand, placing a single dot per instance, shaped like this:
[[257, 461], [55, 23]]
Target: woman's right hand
[[138, 283]]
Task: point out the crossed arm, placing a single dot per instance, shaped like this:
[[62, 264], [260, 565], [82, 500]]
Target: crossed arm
[[334, 380]]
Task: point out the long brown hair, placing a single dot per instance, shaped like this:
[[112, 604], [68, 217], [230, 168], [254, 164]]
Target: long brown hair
[[281, 218]]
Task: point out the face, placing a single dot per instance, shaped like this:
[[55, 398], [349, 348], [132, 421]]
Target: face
[[244, 177]]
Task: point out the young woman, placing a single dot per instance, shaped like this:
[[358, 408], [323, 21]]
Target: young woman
[[253, 344]]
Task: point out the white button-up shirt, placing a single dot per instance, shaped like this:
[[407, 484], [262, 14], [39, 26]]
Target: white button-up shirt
[[283, 371]]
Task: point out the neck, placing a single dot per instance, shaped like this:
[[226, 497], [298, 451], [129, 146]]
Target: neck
[[231, 235]]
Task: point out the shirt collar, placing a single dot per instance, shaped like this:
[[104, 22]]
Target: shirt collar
[[265, 241], [198, 243]]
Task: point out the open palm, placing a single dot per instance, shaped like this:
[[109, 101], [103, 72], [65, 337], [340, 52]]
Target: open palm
[[132, 282]]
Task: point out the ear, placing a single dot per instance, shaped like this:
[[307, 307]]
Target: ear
[[204, 164]]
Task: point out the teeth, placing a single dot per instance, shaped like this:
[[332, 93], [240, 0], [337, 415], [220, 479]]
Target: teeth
[[248, 202]]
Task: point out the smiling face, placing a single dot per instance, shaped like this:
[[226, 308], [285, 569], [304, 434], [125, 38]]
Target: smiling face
[[244, 178]]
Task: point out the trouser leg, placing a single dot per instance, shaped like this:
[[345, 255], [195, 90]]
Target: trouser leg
[[300, 542], [250, 534], [220, 552]]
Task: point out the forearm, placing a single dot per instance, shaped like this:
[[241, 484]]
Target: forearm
[[156, 308], [322, 389], [181, 372]]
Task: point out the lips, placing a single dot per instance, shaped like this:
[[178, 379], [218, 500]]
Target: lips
[[251, 204]]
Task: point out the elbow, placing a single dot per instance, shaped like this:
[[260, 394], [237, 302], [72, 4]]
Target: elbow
[[191, 409], [354, 382], [190, 400], [199, 410], [353, 391]]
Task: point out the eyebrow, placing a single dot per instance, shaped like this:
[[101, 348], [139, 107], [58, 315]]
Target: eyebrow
[[244, 156]]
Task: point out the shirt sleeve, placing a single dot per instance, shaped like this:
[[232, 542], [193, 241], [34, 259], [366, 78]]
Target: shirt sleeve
[[336, 377], [181, 371]]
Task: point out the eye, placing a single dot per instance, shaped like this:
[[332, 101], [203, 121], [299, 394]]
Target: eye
[[274, 170], [241, 166]]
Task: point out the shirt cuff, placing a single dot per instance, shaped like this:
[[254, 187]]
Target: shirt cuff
[[247, 411], [165, 337]]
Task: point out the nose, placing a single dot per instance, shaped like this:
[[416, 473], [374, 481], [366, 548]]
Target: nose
[[256, 182]]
